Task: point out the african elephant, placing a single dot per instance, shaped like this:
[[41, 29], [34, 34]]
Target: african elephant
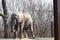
[[25, 20], [22, 22]]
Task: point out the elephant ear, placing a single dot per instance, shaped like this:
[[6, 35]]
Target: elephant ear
[[13, 16], [13, 21]]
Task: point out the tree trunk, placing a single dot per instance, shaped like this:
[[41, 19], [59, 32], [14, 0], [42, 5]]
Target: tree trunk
[[52, 29], [5, 18]]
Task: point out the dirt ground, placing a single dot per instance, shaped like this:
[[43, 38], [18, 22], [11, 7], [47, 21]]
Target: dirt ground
[[30, 39]]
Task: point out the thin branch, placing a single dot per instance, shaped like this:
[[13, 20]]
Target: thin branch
[[2, 15]]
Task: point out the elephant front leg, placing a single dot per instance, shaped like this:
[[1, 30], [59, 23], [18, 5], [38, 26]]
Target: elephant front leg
[[19, 29], [32, 30], [22, 30]]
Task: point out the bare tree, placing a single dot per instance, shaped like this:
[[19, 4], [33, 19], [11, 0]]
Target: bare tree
[[5, 18]]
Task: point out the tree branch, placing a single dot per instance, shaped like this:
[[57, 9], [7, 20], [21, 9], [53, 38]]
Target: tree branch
[[2, 15]]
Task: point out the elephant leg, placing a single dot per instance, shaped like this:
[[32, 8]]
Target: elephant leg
[[22, 30], [16, 34], [19, 31], [25, 33], [32, 31]]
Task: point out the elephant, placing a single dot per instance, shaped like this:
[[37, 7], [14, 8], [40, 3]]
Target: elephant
[[23, 22]]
